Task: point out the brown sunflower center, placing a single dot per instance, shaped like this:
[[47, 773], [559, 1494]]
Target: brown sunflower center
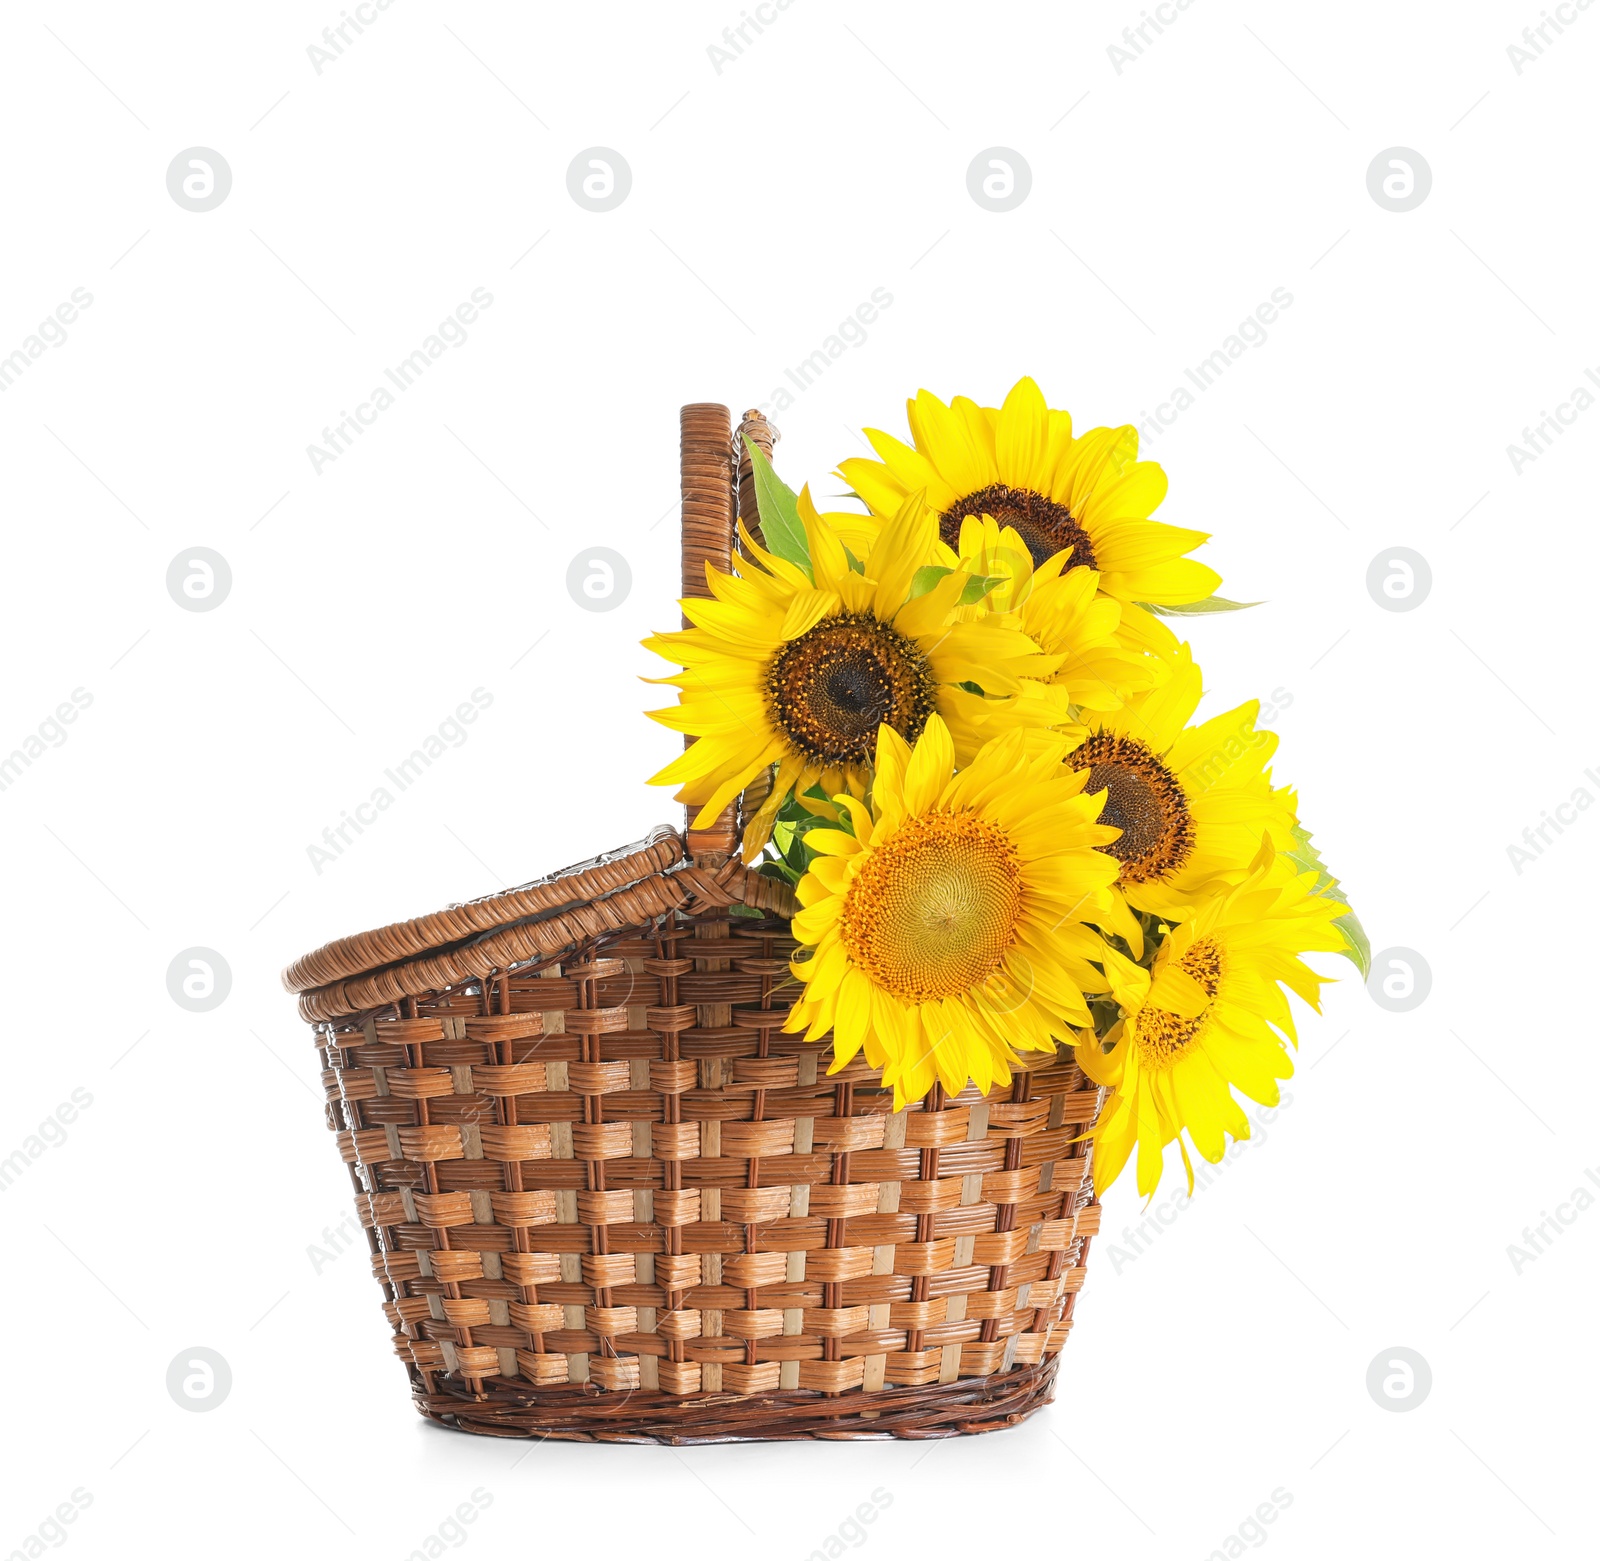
[[1163, 1037], [1143, 800], [932, 911], [829, 688], [1044, 525]]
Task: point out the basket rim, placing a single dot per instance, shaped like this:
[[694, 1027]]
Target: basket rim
[[964, 1406]]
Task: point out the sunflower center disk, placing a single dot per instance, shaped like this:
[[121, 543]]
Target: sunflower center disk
[[1164, 1037], [1044, 525], [933, 911], [1143, 800], [828, 689]]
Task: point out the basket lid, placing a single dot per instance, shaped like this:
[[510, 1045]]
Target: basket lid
[[536, 922]]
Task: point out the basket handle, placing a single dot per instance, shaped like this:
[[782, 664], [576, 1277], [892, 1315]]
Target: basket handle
[[763, 436], [705, 463], [706, 469], [715, 476]]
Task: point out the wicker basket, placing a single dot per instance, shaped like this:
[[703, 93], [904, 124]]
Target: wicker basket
[[608, 1199]]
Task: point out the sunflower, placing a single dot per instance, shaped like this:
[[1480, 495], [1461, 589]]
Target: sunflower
[[796, 669], [1062, 612], [1021, 465], [947, 932], [1192, 802], [1213, 1018], [1059, 605]]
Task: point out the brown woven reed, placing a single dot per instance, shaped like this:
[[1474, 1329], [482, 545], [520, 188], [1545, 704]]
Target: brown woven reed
[[608, 1199]]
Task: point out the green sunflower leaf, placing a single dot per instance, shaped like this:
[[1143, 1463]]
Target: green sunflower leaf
[[781, 527], [1357, 949], [1308, 859], [1305, 856], [978, 587], [797, 856], [1198, 609], [793, 855]]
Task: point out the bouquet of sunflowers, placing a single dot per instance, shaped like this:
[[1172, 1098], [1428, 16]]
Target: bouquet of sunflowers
[[983, 775]]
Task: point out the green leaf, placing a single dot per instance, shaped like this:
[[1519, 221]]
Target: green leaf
[[781, 528], [792, 855], [1357, 949], [793, 811], [976, 588], [801, 855], [1307, 858], [795, 853], [1199, 609]]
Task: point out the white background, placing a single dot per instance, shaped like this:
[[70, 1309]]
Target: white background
[[1228, 1357]]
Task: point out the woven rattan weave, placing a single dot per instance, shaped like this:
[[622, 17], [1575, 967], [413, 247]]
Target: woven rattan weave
[[608, 1199]]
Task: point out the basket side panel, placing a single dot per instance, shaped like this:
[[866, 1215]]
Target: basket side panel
[[600, 1193]]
